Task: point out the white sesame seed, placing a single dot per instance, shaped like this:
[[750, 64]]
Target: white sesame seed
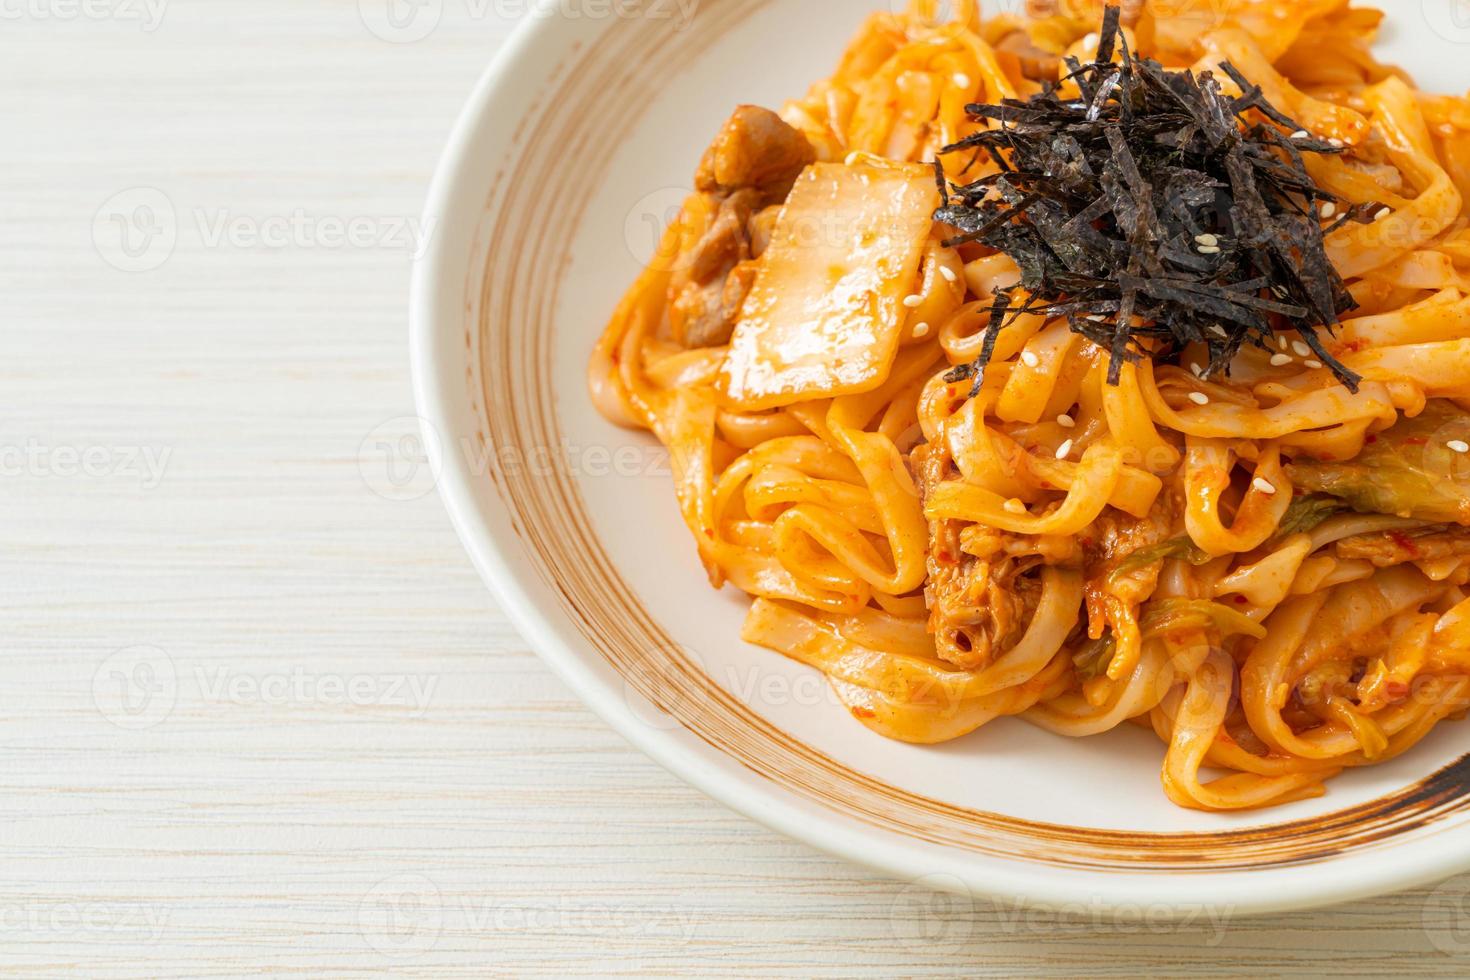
[[1014, 506], [1281, 360], [1460, 446], [1209, 249], [1064, 450], [1337, 142], [1301, 134], [1329, 209], [1197, 371], [1030, 359], [1066, 422], [1383, 214], [1097, 318], [1207, 239], [853, 158], [1199, 398], [962, 80], [1264, 486], [1314, 364], [921, 330], [1302, 350], [948, 273], [913, 302], [1283, 343]]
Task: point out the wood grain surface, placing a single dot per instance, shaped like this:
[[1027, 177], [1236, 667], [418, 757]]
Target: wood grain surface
[[258, 716]]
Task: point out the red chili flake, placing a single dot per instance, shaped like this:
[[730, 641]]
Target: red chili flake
[[1397, 690], [864, 713], [1405, 542], [1372, 439], [1241, 600]]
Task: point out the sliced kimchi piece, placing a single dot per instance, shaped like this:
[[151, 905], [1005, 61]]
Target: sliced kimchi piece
[[1412, 470], [825, 313]]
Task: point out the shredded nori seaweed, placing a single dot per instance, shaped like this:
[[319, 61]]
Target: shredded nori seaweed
[[1102, 199]]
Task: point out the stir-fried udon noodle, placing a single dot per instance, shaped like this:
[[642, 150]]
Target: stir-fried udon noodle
[[1261, 564]]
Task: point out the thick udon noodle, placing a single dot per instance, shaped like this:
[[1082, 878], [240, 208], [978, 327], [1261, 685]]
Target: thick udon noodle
[[1262, 655]]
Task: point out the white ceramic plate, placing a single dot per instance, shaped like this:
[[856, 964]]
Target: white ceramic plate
[[575, 149]]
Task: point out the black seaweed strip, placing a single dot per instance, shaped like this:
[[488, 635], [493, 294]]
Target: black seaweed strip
[[1104, 200]]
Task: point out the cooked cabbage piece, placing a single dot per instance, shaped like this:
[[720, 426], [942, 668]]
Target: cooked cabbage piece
[[1410, 470], [824, 315]]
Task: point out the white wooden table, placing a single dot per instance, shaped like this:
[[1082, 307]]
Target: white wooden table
[[257, 717]]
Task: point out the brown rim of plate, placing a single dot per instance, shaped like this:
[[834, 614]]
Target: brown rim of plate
[[510, 387]]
